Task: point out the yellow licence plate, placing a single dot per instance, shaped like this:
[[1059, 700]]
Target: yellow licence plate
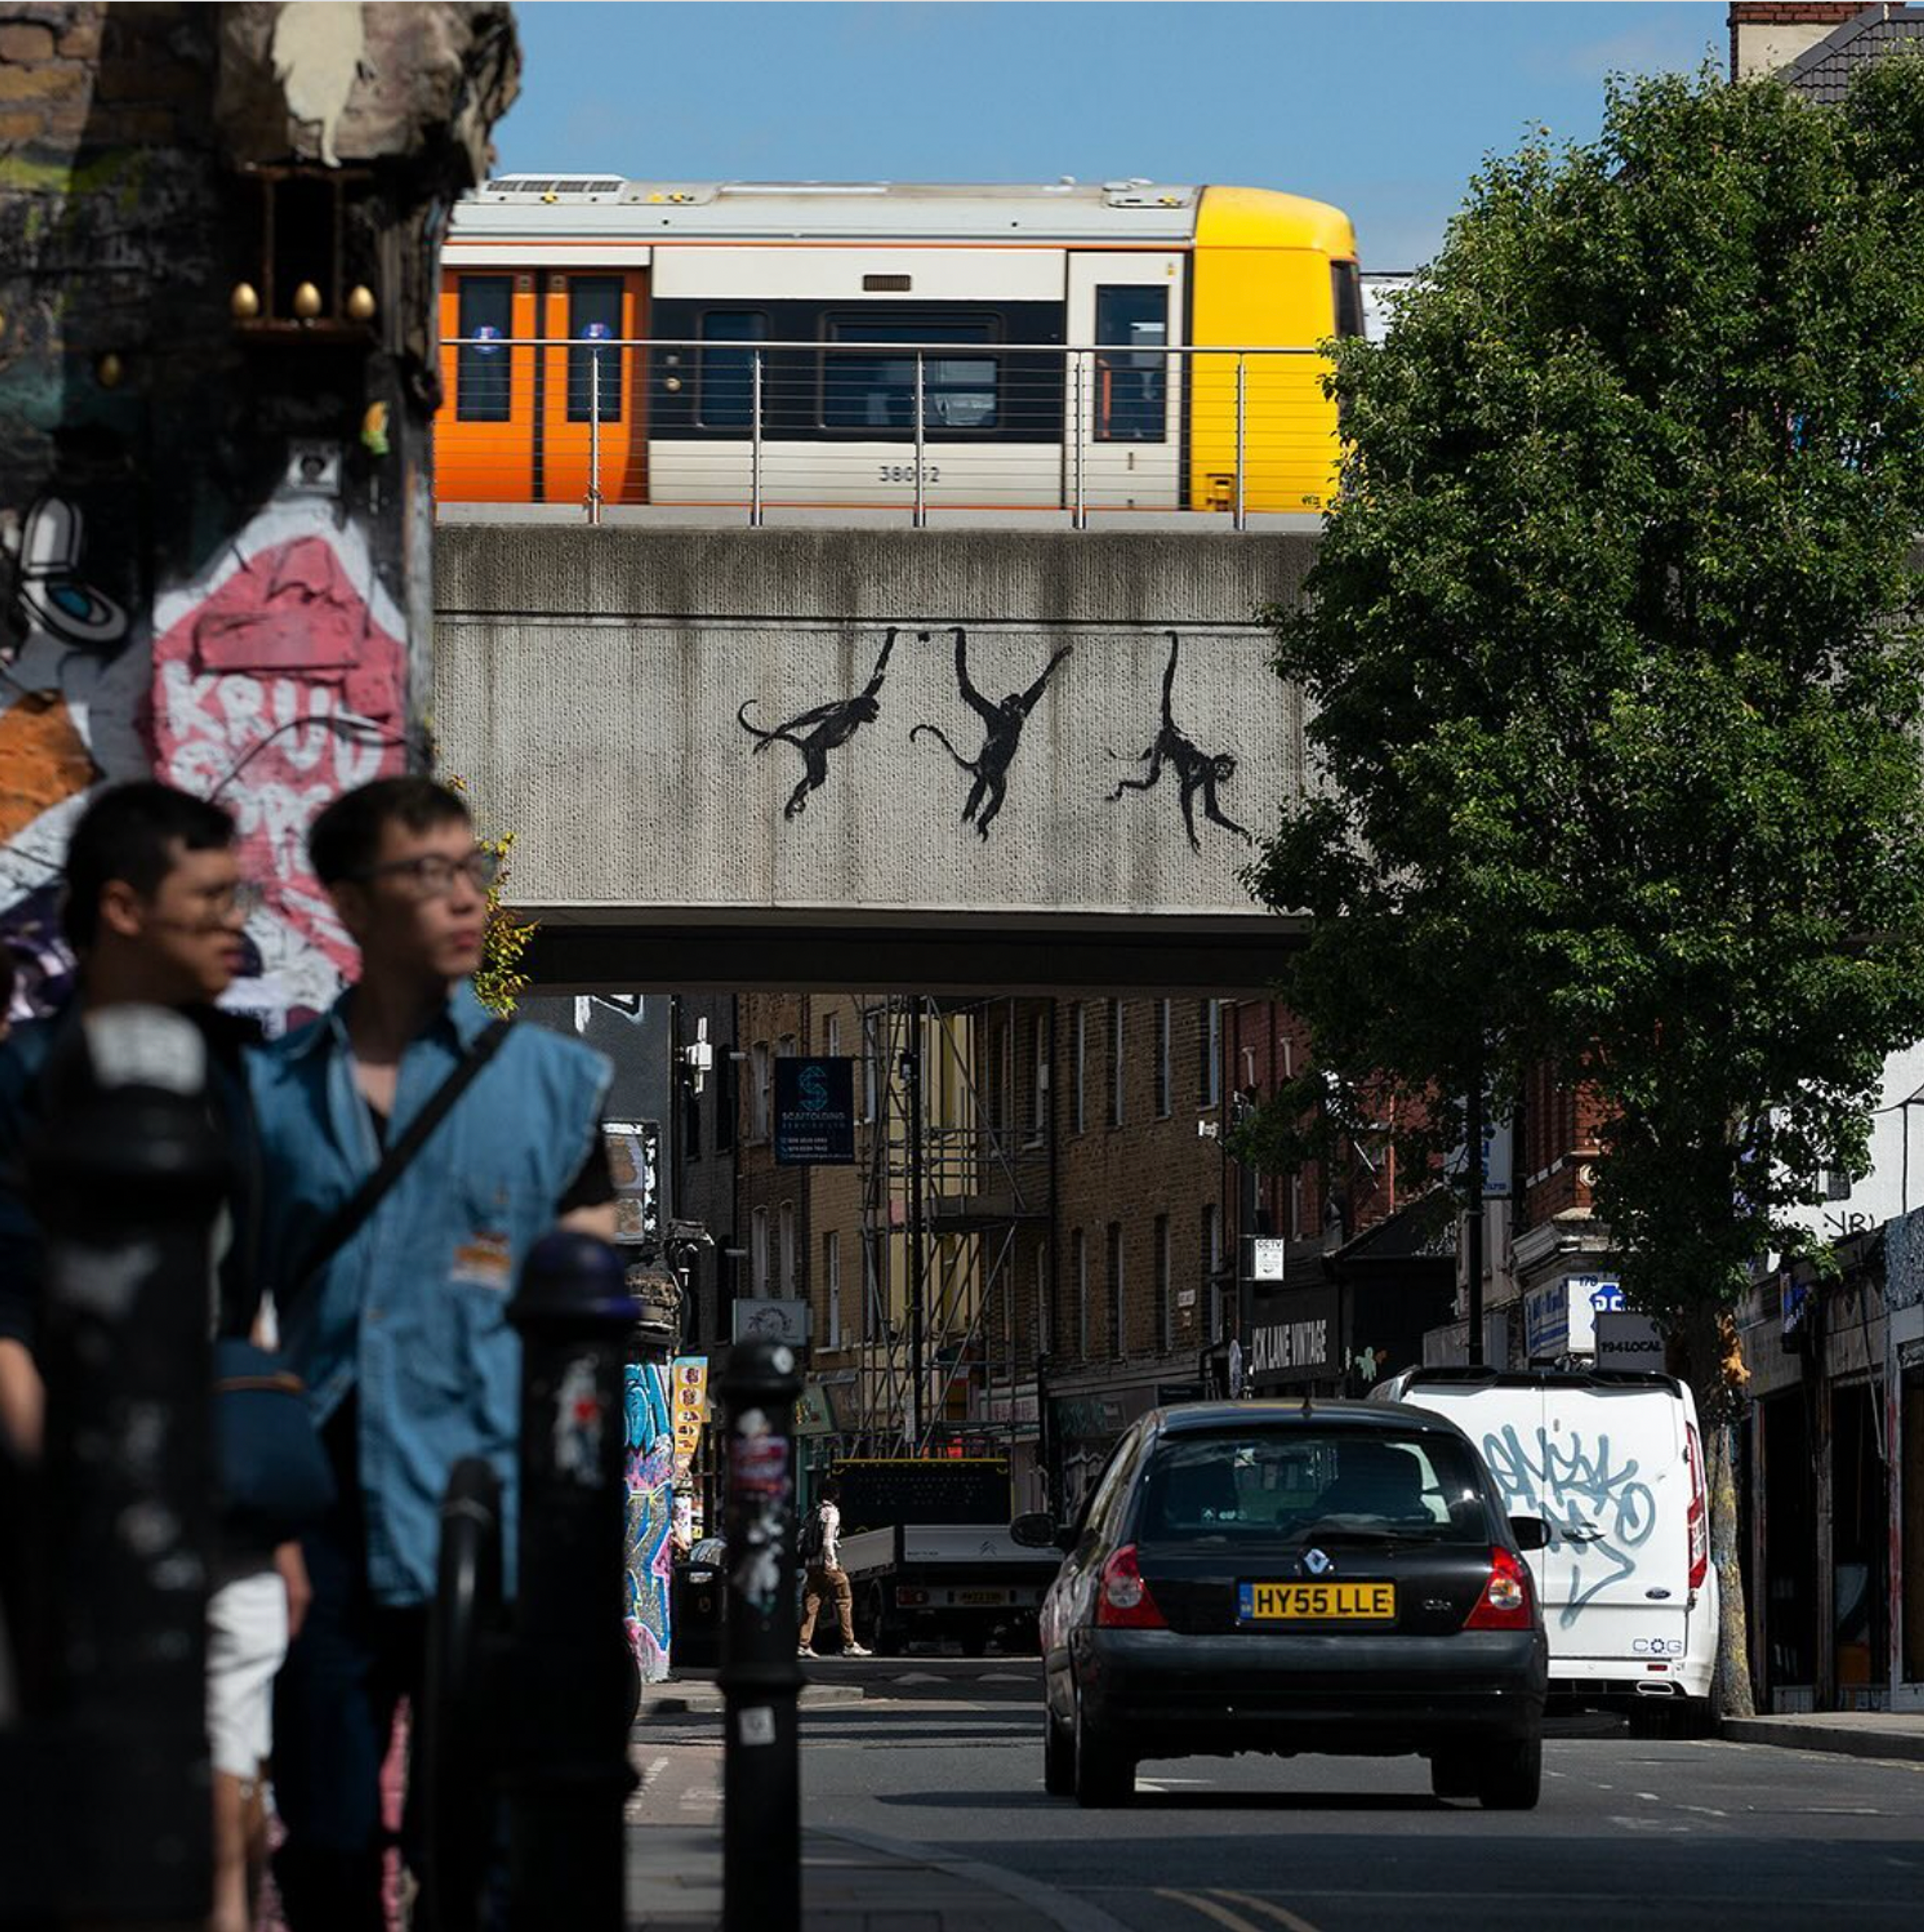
[[1317, 1603]]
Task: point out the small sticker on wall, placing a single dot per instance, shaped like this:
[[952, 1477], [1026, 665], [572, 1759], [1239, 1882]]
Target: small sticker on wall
[[757, 1725]]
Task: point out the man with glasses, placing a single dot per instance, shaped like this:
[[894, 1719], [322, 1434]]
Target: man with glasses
[[155, 909], [401, 1333]]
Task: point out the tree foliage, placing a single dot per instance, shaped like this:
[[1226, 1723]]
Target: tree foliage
[[1615, 678], [499, 981]]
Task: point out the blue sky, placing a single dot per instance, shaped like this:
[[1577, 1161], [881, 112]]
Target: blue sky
[[1383, 108]]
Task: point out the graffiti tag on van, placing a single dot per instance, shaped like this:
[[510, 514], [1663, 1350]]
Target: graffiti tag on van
[[1600, 1515]]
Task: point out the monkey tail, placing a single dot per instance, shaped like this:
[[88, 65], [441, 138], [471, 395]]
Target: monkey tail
[[768, 738], [936, 731]]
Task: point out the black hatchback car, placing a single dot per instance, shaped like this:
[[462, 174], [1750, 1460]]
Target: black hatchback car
[[1293, 1577]]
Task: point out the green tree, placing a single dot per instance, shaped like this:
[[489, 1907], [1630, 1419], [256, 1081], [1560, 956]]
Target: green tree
[[1616, 685], [499, 981]]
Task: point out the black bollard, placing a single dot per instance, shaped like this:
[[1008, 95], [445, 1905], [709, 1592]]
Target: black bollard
[[568, 1779], [760, 1676], [107, 1781]]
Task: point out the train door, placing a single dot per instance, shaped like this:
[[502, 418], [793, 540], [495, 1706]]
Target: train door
[[484, 433], [1130, 305], [593, 397]]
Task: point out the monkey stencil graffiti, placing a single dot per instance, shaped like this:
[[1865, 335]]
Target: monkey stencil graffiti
[[1196, 770], [1002, 720], [824, 728]]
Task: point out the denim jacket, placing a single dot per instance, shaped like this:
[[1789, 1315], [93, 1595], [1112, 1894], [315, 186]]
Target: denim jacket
[[410, 1316]]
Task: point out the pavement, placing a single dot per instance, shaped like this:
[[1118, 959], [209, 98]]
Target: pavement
[[1878, 1734]]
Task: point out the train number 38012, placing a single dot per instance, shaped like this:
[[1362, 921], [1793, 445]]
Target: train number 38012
[[905, 472]]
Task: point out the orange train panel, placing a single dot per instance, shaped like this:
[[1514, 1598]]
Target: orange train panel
[[484, 433], [578, 306]]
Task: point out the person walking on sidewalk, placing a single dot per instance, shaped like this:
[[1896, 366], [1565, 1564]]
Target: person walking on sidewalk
[[415, 1150], [819, 1548]]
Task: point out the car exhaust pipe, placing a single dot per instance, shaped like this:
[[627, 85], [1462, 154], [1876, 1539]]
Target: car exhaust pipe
[[1663, 1687]]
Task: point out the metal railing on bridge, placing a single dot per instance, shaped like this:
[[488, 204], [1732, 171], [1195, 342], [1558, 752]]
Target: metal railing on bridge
[[920, 427]]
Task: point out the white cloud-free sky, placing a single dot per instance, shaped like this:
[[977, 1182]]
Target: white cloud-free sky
[[1384, 108]]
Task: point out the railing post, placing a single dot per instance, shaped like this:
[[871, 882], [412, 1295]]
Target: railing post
[[568, 1778], [755, 442], [921, 498], [1242, 439], [593, 435], [125, 1179], [1080, 518], [761, 1845]]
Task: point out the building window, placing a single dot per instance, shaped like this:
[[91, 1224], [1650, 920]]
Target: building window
[[1165, 1308], [1045, 1325], [832, 1036], [1114, 1273], [1079, 1275], [1163, 1083], [874, 1325], [1038, 1079], [1210, 1084], [876, 394], [1115, 1063], [831, 1277], [787, 1233], [1211, 1265], [1005, 1076], [594, 373], [763, 1097], [871, 1066], [1079, 1071], [758, 1254], [1131, 381], [785, 1047], [725, 394], [484, 369], [727, 1098]]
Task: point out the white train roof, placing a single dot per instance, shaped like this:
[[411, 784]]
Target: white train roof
[[596, 207]]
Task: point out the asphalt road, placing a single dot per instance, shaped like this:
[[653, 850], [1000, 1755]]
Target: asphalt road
[[1629, 1833]]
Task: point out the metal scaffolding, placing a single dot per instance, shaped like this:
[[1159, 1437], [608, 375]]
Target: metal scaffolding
[[957, 1173]]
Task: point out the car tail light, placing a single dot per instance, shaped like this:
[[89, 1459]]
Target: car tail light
[[1504, 1603], [910, 1597], [1699, 1522], [1123, 1601]]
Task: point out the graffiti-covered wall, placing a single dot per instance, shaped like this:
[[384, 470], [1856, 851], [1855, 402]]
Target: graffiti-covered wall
[[904, 721], [219, 230]]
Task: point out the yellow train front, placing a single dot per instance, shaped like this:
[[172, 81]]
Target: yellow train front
[[846, 345]]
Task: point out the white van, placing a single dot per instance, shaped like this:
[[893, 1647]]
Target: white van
[[1613, 1463]]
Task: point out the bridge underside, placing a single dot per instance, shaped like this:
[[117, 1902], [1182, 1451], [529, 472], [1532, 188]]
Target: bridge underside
[[975, 953]]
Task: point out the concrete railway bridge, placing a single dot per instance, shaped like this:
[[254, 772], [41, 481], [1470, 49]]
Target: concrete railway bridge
[[834, 756]]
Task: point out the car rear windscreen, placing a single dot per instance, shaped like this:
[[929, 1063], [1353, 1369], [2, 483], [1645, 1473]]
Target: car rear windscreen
[[1264, 1485]]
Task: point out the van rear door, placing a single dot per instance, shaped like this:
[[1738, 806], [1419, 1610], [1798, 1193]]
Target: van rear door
[[1609, 1470]]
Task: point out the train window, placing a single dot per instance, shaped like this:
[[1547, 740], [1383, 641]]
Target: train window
[[727, 376], [594, 317], [484, 364], [1346, 282], [877, 393], [1131, 380]]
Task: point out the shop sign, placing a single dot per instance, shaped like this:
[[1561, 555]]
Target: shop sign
[[815, 1411], [773, 1320], [1297, 1339], [690, 1402], [1560, 1318], [1627, 1341]]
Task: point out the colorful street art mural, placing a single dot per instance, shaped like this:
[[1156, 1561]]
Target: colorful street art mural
[[651, 1516], [272, 680]]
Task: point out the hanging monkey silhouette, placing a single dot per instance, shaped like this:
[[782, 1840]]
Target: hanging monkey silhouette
[[822, 729], [1196, 770], [1002, 732]]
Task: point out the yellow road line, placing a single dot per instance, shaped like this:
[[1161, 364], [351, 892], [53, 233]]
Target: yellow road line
[[1280, 1914]]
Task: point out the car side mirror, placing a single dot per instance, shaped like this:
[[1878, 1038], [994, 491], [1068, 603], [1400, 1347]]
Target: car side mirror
[[1035, 1530], [1531, 1532]]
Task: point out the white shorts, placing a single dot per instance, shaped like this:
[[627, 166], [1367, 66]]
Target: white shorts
[[246, 1640]]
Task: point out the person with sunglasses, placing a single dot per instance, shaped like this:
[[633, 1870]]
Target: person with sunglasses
[[400, 1329], [154, 907]]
